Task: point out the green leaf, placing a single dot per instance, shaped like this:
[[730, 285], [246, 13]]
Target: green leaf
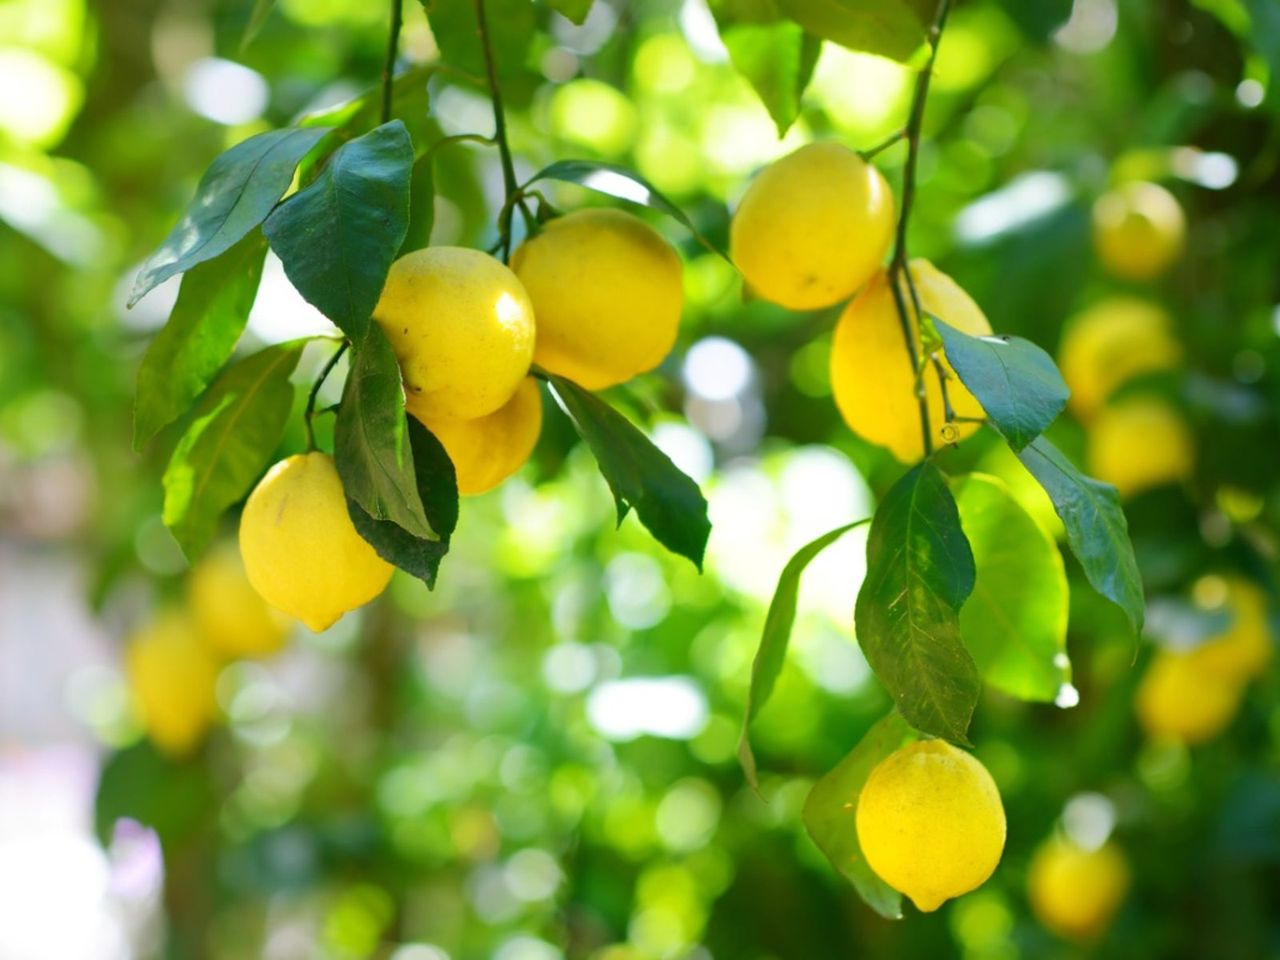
[[1096, 528], [235, 195], [175, 798], [257, 20], [237, 427], [896, 29], [919, 572], [1015, 621], [511, 30], [772, 653], [371, 439], [337, 237], [1039, 20], [207, 320], [574, 11], [1016, 382], [640, 475], [438, 490], [830, 812], [422, 205]]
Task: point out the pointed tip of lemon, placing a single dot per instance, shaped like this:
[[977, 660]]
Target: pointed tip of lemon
[[927, 904], [320, 624]]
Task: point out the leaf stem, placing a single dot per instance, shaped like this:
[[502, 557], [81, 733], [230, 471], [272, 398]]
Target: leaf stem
[[883, 145], [393, 47], [310, 411], [510, 186]]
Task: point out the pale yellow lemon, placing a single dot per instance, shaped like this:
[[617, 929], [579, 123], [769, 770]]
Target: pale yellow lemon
[[813, 227], [1244, 649], [1178, 700], [607, 290], [232, 618], [1139, 229], [1139, 443], [1075, 892], [301, 551], [462, 326], [171, 677]]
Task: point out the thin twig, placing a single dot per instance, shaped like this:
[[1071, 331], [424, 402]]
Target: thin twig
[[510, 186], [883, 145], [310, 411], [393, 47]]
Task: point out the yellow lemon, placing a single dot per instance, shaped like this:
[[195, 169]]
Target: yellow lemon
[[1178, 700], [1140, 443], [1112, 342], [607, 291], [871, 373], [813, 227], [487, 450], [232, 618], [462, 327], [301, 551], [1075, 892], [1139, 230], [171, 680], [930, 822], [1244, 648]]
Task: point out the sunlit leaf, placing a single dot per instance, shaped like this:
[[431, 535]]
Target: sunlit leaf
[[895, 29]]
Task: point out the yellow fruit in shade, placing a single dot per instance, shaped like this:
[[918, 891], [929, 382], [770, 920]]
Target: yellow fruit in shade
[[813, 227], [462, 327], [1139, 443], [171, 677], [487, 450], [1076, 892], [930, 822], [1244, 649], [1138, 230], [607, 290], [1178, 700], [301, 551], [231, 617], [1111, 342], [871, 373]]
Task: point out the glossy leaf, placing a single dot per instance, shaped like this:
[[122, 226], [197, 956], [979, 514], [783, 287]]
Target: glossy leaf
[[919, 573], [895, 29], [337, 237], [235, 195]]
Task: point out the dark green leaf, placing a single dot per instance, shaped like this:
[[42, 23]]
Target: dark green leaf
[[895, 29], [830, 812], [1096, 528], [175, 798], [640, 475], [235, 195], [371, 439], [207, 320], [1016, 382], [772, 653], [511, 29], [422, 205], [257, 19], [236, 428], [919, 573], [573, 10], [337, 237], [1037, 20], [410, 101]]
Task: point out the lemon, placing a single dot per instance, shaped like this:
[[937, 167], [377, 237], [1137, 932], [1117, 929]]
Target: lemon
[[1178, 700], [171, 679], [1075, 892], [487, 450], [871, 371], [1139, 443], [813, 227], [462, 327], [231, 617], [607, 291], [301, 551], [1111, 342], [1244, 648], [1139, 230], [930, 822]]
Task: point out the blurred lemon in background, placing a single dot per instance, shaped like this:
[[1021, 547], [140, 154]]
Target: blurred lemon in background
[[1244, 649], [487, 450], [1139, 443], [1075, 892], [1139, 229], [230, 615], [171, 677], [1178, 700]]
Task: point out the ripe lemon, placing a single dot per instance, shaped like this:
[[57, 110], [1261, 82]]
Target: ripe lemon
[[607, 291], [1112, 342], [1178, 700], [1139, 230], [1140, 443], [813, 227], [230, 615], [487, 450], [171, 680], [1244, 648], [930, 822], [1075, 892], [871, 373], [462, 327], [301, 551]]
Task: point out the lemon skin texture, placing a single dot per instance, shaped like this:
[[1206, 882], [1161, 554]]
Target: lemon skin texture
[[301, 551], [1178, 700], [871, 373], [462, 327], [171, 677], [1140, 443], [1075, 892], [813, 227], [930, 822], [232, 618], [607, 291], [487, 450], [1111, 342], [1139, 230]]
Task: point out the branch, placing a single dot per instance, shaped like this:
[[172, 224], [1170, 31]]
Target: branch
[[310, 411], [388, 71], [509, 183]]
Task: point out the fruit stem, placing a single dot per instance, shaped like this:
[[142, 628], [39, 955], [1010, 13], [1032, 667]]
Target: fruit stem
[[393, 46], [509, 183], [310, 411]]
